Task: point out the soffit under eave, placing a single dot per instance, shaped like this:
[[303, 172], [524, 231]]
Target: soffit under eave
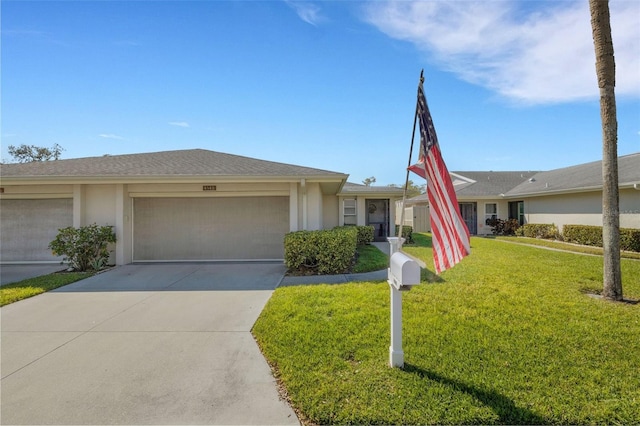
[[371, 193]]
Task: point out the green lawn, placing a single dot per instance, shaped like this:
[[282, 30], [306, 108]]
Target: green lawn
[[508, 336], [30, 287], [370, 258], [565, 246]]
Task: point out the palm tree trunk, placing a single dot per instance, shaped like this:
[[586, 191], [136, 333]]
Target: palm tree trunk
[[605, 70]]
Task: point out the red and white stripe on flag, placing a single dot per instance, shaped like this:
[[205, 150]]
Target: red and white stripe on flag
[[450, 236]]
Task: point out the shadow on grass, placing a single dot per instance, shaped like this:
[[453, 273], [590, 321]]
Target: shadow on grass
[[504, 407], [430, 276]]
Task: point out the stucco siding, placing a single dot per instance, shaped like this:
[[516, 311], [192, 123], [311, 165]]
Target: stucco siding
[[582, 209], [330, 211], [99, 205], [208, 189], [314, 207], [630, 208], [36, 191]]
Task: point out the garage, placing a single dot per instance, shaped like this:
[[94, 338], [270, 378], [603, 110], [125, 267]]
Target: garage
[[28, 226], [209, 228]]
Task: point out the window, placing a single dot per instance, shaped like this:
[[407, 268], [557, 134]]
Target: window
[[350, 212], [490, 212]]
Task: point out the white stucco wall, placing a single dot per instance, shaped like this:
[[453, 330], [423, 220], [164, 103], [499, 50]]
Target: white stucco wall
[[99, 205], [124, 225], [630, 208], [582, 209], [330, 211], [314, 206]]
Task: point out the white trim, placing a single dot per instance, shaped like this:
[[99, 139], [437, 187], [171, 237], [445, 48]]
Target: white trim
[[209, 194], [38, 196], [293, 207]]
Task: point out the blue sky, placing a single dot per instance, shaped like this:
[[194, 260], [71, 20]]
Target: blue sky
[[328, 84]]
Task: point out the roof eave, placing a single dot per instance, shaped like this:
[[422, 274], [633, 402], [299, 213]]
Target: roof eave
[[56, 180], [624, 185]]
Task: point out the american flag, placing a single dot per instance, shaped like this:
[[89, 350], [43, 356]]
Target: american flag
[[450, 236]]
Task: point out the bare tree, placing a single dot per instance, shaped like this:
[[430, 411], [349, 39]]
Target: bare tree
[[413, 189], [606, 72], [28, 153], [368, 181]]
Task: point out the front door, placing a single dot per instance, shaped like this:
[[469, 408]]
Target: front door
[[516, 211], [378, 217], [469, 215]]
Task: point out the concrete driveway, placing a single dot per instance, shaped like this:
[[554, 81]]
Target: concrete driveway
[[143, 344], [13, 273]]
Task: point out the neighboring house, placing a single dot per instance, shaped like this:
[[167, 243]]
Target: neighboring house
[[570, 195], [186, 205], [573, 195], [480, 198]]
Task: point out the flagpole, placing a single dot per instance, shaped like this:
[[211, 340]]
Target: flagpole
[[406, 180], [400, 277]]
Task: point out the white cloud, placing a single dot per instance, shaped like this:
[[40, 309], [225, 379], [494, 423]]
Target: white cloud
[[179, 123], [543, 54], [110, 136], [307, 11]]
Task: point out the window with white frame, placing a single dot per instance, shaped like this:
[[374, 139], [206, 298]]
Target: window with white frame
[[490, 212], [350, 211]]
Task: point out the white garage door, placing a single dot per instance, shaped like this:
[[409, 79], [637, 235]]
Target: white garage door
[[229, 228], [28, 226]]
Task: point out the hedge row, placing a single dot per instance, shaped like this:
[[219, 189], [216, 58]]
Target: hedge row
[[365, 234], [538, 230], [592, 236], [324, 252]]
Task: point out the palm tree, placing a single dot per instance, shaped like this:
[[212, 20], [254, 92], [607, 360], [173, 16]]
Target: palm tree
[[606, 71]]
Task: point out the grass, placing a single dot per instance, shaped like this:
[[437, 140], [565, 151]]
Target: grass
[[508, 336], [370, 258], [566, 246], [33, 286]]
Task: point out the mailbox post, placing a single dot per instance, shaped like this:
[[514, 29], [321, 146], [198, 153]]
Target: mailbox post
[[403, 273]]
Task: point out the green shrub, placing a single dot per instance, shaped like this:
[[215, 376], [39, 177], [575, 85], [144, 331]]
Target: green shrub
[[592, 236], [630, 239], [503, 227], [407, 233], [322, 252], [583, 234], [365, 234], [85, 248], [538, 230]]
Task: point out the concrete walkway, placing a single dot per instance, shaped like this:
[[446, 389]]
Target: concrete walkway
[[18, 272], [143, 344]]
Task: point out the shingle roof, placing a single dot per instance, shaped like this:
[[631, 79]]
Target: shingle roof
[[490, 184], [579, 178], [192, 162], [583, 177], [481, 184]]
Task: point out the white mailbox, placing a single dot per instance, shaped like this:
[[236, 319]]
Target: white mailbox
[[403, 271]]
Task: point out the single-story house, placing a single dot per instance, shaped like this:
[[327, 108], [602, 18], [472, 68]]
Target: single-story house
[[186, 205], [569, 195]]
